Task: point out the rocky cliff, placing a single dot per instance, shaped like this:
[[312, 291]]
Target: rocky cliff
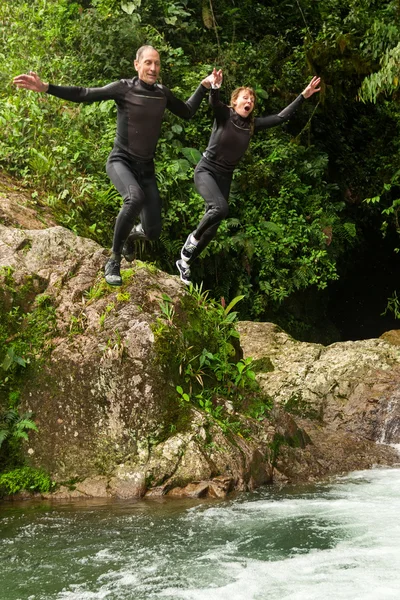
[[110, 420]]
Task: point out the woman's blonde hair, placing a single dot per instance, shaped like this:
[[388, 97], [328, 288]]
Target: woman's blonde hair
[[235, 94]]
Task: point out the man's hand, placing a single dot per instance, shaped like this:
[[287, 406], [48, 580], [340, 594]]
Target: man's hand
[[214, 80], [31, 81], [312, 87]]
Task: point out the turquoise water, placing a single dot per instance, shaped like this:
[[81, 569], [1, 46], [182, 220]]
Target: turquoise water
[[338, 541]]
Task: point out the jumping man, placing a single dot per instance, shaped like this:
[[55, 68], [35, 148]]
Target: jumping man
[[141, 103]]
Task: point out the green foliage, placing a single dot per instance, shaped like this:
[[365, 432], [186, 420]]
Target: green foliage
[[14, 430], [27, 322], [14, 427], [384, 81], [198, 342], [393, 306], [25, 479], [292, 221]]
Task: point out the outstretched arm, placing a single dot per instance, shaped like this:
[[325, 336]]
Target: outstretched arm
[[188, 109], [288, 112], [31, 81]]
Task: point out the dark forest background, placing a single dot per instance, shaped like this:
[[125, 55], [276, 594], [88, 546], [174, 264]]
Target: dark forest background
[[312, 236]]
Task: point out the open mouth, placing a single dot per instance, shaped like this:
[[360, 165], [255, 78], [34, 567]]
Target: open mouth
[[247, 108]]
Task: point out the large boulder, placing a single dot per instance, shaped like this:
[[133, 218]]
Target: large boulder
[[345, 396], [110, 421]]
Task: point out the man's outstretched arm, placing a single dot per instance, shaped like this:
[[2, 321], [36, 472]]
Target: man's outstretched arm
[[31, 81], [186, 110]]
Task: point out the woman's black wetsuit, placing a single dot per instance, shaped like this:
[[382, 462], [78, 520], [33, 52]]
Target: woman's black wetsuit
[[229, 141], [130, 166]]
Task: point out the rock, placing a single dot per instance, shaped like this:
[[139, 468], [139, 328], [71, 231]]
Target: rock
[[341, 399], [108, 411], [131, 485], [18, 209], [157, 492], [219, 487], [64, 493], [391, 337], [192, 490], [94, 487]]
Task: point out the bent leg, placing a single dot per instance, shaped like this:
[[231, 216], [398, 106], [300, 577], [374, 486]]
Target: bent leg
[[205, 239], [217, 206], [125, 180], [150, 216], [215, 189]]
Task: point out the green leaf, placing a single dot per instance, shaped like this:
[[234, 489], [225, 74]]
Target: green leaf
[[181, 166], [20, 361], [7, 362], [130, 7], [240, 366], [26, 424], [192, 155], [207, 15], [232, 303], [262, 93], [4, 433]]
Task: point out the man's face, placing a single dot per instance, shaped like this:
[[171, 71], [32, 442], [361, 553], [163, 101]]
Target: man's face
[[148, 67]]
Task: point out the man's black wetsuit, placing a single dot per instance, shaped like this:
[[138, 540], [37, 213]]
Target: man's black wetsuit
[[130, 165], [229, 141]]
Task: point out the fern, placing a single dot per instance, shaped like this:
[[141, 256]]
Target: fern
[[15, 426]]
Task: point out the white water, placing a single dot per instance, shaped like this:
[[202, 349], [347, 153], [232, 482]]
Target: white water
[[333, 542]]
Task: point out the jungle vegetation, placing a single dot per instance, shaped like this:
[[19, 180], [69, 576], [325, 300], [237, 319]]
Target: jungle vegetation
[[307, 198]]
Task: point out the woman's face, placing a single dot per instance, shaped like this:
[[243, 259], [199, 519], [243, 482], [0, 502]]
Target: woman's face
[[244, 103]]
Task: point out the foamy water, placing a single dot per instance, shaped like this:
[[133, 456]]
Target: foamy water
[[339, 541]]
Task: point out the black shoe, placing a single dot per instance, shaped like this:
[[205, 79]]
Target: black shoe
[[184, 272], [112, 272], [128, 251], [188, 249]]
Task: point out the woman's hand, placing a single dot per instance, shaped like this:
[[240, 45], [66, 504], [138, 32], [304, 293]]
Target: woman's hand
[[217, 78], [213, 80], [312, 87]]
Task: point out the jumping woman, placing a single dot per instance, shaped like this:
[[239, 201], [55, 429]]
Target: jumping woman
[[232, 130]]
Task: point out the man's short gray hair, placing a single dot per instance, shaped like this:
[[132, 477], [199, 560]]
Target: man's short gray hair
[[142, 49]]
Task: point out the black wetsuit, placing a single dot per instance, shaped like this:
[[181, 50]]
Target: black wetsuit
[[230, 138], [130, 165]]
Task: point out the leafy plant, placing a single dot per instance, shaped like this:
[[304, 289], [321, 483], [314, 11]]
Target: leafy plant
[[25, 479], [196, 340], [14, 427], [393, 306]]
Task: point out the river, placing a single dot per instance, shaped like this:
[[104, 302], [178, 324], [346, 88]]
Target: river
[[333, 541]]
